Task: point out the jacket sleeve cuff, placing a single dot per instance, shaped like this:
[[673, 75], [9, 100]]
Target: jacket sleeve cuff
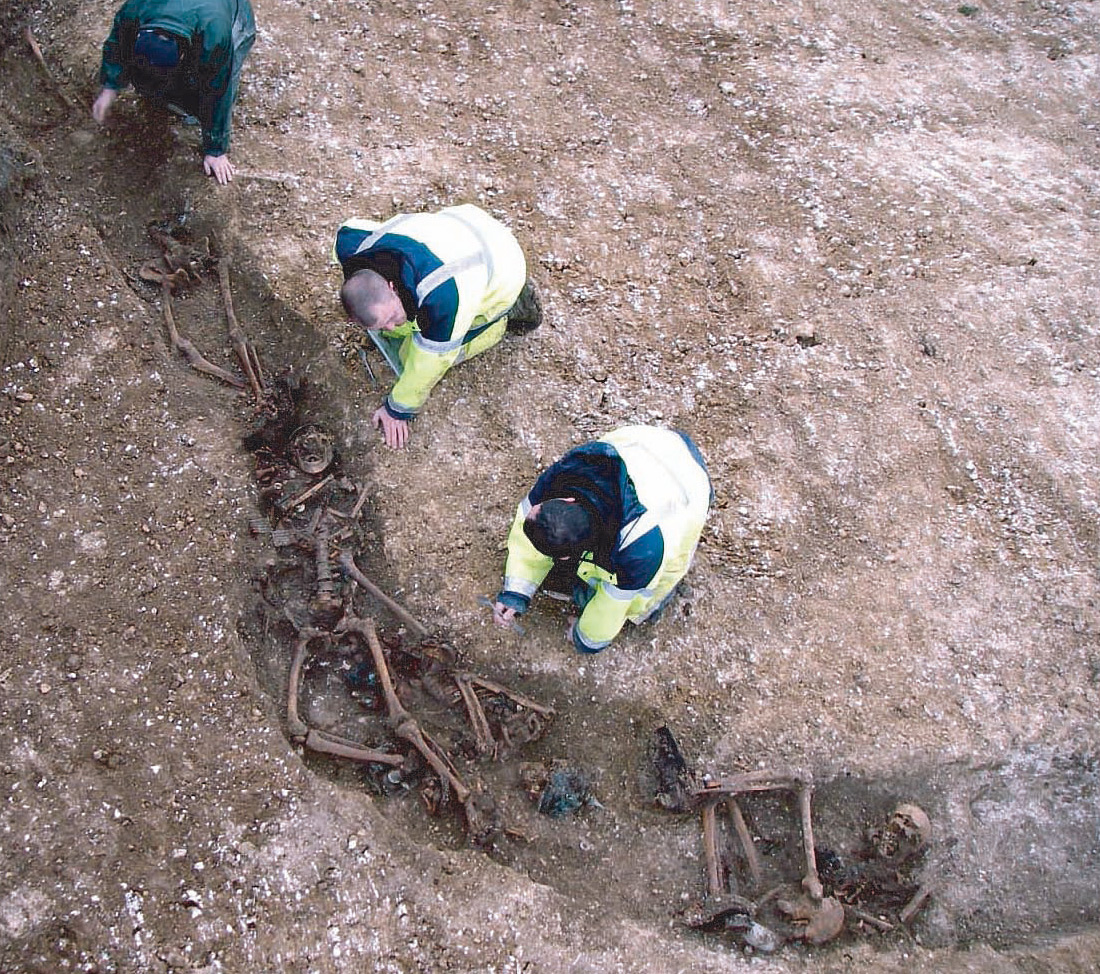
[[397, 413], [582, 647], [513, 600]]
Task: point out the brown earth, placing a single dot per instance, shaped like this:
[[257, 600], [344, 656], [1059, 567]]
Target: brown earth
[[850, 248]]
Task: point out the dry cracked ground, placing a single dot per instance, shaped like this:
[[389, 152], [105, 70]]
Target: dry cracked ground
[[849, 247]]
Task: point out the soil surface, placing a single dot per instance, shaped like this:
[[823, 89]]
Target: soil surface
[[850, 248]]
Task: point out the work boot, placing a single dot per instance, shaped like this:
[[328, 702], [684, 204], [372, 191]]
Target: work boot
[[526, 314]]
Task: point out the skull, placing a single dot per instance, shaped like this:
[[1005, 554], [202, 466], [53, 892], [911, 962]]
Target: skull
[[311, 449], [906, 832]]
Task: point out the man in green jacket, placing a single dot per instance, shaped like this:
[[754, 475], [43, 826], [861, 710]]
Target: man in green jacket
[[185, 55]]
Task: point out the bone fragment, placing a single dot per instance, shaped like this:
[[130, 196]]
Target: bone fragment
[[882, 926], [912, 908], [710, 847]]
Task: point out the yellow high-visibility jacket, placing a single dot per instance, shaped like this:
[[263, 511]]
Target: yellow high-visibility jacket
[[457, 271], [649, 489]]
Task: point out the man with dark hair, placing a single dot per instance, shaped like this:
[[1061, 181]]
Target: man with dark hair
[[445, 286], [615, 522], [185, 55]]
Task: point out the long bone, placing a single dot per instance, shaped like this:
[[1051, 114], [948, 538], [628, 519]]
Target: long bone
[[745, 836], [311, 737], [468, 684], [710, 847], [326, 743], [479, 681], [347, 563], [482, 731], [290, 503], [295, 725], [194, 357], [246, 352]]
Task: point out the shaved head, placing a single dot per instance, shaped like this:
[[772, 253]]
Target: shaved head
[[368, 297]]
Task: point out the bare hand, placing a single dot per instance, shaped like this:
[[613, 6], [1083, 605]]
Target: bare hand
[[101, 107], [502, 615], [219, 167], [395, 431]]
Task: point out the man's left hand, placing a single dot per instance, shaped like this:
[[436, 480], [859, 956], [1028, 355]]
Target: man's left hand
[[219, 167], [395, 431]]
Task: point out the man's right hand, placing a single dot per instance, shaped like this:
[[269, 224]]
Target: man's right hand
[[394, 431], [502, 615], [101, 107]]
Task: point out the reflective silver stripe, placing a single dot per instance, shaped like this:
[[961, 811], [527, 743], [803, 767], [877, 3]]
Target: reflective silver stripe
[[599, 644], [624, 594], [486, 250], [378, 234], [520, 586], [436, 348], [447, 272], [639, 528], [525, 506]]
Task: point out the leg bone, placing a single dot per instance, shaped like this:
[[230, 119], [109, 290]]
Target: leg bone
[[193, 355], [249, 360]]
